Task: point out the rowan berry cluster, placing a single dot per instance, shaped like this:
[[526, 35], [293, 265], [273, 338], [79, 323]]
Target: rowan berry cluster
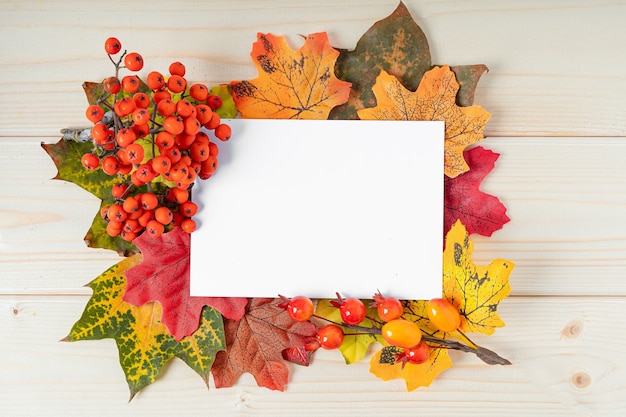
[[153, 135]]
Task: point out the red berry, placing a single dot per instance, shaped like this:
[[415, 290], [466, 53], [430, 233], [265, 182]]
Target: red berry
[[300, 308], [177, 68], [90, 161], [188, 225], [112, 85], [133, 61], [330, 336], [418, 354], [214, 102], [112, 46], [223, 132], [94, 113], [389, 308], [352, 311]]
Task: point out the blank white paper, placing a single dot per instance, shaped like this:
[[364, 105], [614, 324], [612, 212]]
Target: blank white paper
[[315, 207]]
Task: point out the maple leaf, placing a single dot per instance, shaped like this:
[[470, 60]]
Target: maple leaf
[[66, 155], [291, 84], [434, 99], [163, 276], [474, 289], [481, 213], [255, 344], [398, 46], [354, 347], [143, 342], [414, 375]]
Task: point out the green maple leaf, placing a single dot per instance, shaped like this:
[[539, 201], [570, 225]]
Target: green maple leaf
[[398, 46], [354, 347], [66, 155], [143, 342]]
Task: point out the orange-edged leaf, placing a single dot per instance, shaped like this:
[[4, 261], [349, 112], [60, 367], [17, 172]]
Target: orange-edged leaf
[[414, 375], [143, 342], [291, 84], [163, 276], [256, 342], [434, 99], [474, 289], [395, 44], [354, 346], [480, 212]]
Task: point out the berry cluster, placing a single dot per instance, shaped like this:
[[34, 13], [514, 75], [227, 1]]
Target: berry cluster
[[404, 336], [153, 137]]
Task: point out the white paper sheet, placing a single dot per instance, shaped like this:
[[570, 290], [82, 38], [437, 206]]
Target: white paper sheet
[[318, 207]]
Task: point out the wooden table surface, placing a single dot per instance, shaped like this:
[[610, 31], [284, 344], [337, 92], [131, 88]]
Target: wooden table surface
[[556, 90]]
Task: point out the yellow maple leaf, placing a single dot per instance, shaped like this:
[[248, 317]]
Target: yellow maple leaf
[[474, 289], [414, 375], [291, 84], [434, 99]]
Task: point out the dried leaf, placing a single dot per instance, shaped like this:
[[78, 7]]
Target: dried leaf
[[354, 347], [256, 342], [144, 344], [467, 76], [475, 290], [414, 375], [434, 99], [163, 276], [291, 84], [481, 213], [396, 45]]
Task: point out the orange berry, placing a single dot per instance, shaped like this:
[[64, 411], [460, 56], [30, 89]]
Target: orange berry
[[164, 140], [176, 84], [125, 137], [118, 190], [114, 229], [94, 113], [141, 116], [154, 228], [166, 107], [199, 92], [149, 201], [142, 101], [177, 68], [188, 225], [90, 161], [145, 217], [131, 205], [163, 215], [155, 80], [188, 208], [110, 165], [112, 46], [135, 153], [116, 213], [184, 141], [192, 125], [101, 134], [161, 164], [214, 122], [223, 132], [133, 61], [184, 108], [112, 85], [203, 113], [130, 83], [199, 151], [173, 125]]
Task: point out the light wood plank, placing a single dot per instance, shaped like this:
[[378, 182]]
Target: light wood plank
[[556, 67], [565, 197], [568, 361]]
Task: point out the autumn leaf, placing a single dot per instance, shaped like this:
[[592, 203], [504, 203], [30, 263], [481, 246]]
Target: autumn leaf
[[255, 344], [396, 45], [143, 342], [467, 76], [481, 213], [414, 375], [291, 84], [434, 99], [354, 347], [163, 276], [66, 155], [474, 289], [227, 110]]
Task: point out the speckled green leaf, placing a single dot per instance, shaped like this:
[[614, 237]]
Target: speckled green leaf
[[143, 341], [66, 155], [467, 77], [228, 109], [395, 44]]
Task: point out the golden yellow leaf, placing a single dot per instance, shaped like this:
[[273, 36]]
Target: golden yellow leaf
[[474, 289], [434, 99], [414, 376], [291, 84]]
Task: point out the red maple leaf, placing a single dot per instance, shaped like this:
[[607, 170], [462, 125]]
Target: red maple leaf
[[481, 213], [255, 344], [163, 276]]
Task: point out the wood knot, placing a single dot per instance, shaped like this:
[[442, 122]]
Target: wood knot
[[581, 380], [573, 329]]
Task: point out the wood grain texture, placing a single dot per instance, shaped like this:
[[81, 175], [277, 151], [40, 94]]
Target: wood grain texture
[[549, 74], [555, 90], [568, 361]]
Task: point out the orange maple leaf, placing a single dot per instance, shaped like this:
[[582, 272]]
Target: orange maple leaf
[[434, 99], [291, 84]]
